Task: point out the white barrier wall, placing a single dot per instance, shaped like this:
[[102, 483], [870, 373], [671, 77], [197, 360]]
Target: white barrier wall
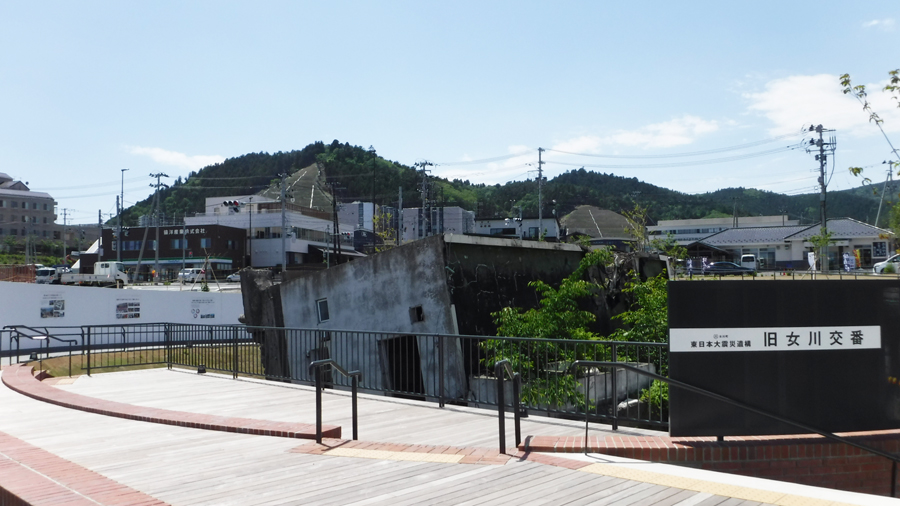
[[71, 306]]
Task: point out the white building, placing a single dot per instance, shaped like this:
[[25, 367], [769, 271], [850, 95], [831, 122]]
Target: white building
[[358, 215], [308, 232], [786, 247], [688, 231], [523, 228], [451, 220]]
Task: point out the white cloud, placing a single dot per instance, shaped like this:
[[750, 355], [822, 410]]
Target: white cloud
[[795, 102], [176, 159], [886, 24], [523, 165], [675, 132]]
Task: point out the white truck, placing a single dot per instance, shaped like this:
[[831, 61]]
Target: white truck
[[102, 274]]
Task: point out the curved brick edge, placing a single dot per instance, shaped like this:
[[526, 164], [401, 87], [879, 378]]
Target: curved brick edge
[[32, 476], [805, 459], [471, 455], [19, 377]]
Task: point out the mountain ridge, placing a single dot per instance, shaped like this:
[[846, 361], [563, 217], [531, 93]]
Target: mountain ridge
[[361, 174]]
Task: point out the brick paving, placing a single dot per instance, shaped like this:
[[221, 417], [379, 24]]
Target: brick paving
[[30, 475]]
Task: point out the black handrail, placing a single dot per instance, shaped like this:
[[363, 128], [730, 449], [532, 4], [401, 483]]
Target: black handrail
[[40, 336], [315, 369], [691, 388], [500, 368]]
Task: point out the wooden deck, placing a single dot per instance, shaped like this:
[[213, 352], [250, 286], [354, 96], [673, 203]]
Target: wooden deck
[[187, 466]]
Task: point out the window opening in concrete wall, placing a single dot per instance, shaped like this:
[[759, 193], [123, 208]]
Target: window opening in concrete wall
[[403, 371], [322, 309], [416, 314]]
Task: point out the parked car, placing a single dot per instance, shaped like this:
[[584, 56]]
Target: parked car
[[728, 268], [894, 260], [191, 275], [235, 276]]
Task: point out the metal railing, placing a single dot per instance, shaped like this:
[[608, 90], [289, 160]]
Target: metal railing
[[439, 368], [316, 368], [732, 402]]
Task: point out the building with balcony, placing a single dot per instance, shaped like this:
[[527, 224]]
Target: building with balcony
[[26, 213], [308, 234]]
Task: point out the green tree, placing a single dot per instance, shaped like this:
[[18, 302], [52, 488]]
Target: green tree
[[647, 320], [542, 364], [859, 92], [637, 219], [669, 246], [820, 242]]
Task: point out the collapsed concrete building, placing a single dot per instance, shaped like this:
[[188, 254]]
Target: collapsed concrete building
[[441, 285]]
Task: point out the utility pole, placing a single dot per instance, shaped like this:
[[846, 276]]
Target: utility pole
[[283, 227], [118, 234], [250, 225], [822, 158], [183, 242], [734, 216], [120, 202], [64, 236], [426, 201], [371, 151], [100, 227], [540, 196], [400, 219], [158, 175], [890, 177], [336, 237]]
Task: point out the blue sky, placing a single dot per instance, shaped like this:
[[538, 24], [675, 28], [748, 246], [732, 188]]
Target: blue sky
[[89, 88]]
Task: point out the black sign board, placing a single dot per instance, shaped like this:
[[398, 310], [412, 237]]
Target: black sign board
[[822, 352]]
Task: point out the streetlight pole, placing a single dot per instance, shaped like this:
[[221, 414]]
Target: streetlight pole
[[250, 207], [283, 231], [121, 207]]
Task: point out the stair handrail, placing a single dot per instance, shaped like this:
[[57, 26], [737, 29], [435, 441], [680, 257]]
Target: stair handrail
[[501, 370], [315, 369], [719, 397]]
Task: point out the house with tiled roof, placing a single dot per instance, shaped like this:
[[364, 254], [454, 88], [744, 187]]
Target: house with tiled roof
[[602, 227], [786, 247]]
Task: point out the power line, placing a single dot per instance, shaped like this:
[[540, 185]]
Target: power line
[[488, 160], [678, 155], [680, 164]]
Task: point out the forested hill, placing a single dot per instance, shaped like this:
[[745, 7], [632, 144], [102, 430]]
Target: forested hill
[[360, 174]]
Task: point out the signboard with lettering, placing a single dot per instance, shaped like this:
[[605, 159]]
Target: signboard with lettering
[[775, 339], [825, 353]]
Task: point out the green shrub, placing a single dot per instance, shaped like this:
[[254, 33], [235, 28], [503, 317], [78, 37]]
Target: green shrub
[[657, 397]]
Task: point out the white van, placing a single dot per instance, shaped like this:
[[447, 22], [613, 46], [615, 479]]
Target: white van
[[749, 261], [191, 275]]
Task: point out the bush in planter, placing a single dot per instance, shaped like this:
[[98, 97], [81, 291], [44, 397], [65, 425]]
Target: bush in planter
[[657, 397]]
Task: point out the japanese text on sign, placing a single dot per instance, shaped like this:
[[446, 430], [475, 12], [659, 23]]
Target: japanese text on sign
[[865, 337]]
